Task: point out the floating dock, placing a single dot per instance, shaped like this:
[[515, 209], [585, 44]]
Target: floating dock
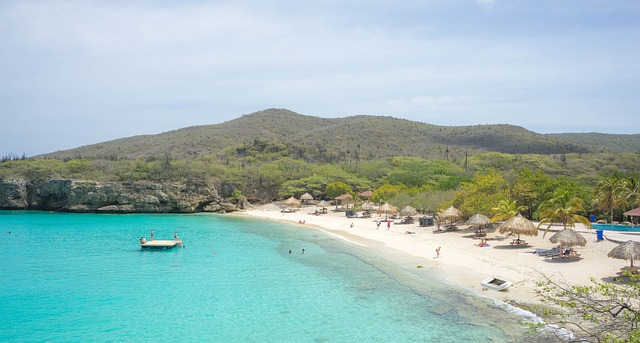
[[160, 244]]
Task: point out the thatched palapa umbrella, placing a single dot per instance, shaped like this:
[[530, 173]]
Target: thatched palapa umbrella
[[451, 214], [324, 204], [568, 238], [292, 202], [306, 197], [386, 208], [520, 226], [629, 250], [367, 206], [408, 211], [478, 219]]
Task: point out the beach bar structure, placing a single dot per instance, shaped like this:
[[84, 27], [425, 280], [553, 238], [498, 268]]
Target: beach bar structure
[[634, 214], [160, 244]]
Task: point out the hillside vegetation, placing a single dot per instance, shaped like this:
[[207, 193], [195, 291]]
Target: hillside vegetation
[[317, 139], [602, 142], [275, 154]]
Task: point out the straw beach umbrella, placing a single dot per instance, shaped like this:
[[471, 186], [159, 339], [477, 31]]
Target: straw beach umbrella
[[629, 250], [306, 197], [324, 204], [451, 214], [367, 206], [478, 219], [568, 238], [386, 208], [519, 225], [292, 202], [408, 211]]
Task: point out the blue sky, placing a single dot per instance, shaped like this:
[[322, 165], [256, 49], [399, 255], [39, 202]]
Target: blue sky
[[81, 72]]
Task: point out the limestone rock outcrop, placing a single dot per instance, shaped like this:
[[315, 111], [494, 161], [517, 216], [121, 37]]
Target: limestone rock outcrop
[[113, 197], [13, 195]]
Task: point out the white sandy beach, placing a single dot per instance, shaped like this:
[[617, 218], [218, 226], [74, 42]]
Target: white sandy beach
[[460, 260]]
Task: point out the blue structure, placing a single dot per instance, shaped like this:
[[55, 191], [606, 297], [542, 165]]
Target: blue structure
[[599, 234]]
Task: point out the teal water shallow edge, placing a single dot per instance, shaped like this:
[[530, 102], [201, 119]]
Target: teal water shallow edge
[[616, 227], [83, 278]]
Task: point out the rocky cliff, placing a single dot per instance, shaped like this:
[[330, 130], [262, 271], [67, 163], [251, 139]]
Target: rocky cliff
[[114, 197]]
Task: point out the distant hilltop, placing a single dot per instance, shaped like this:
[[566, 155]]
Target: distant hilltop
[[359, 137]]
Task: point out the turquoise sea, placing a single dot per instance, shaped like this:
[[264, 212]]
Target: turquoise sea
[[83, 278]]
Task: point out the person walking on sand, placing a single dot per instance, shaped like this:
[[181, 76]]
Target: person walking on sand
[[388, 224], [437, 252], [378, 224]]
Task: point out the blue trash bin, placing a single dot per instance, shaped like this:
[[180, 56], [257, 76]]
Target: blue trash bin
[[593, 218], [599, 234]]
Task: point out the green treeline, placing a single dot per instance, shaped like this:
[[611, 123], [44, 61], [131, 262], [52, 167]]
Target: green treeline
[[264, 171]]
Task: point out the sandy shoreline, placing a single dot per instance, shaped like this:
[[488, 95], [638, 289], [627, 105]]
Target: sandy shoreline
[[460, 260]]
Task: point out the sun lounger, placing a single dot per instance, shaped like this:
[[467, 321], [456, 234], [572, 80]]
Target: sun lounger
[[548, 252]]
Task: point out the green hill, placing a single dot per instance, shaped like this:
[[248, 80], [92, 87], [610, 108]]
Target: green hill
[[602, 142], [278, 153], [317, 139]]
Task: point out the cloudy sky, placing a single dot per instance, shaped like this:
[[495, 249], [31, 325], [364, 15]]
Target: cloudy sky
[[74, 73]]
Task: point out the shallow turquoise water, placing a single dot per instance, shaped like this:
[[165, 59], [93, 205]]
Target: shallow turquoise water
[[83, 277], [616, 227]]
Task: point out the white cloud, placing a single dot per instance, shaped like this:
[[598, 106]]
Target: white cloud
[[168, 64]]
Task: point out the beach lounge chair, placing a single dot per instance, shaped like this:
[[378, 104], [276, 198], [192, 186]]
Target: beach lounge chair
[[548, 252]]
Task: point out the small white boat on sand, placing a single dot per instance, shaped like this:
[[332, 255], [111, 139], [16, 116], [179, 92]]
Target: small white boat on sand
[[495, 283]]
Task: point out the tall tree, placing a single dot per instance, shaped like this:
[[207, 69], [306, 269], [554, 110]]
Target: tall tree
[[563, 208], [506, 209], [530, 188], [482, 193], [632, 192], [337, 188], [610, 194]]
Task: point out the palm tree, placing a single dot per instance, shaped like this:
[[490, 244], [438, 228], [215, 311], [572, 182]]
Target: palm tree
[[562, 208], [610, 194], [506, 210], [632, 192]]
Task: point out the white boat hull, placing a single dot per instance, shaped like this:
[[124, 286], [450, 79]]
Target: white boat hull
[[496, 283]]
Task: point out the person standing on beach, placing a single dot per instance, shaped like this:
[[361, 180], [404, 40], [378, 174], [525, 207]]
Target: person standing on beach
[[438, 252], [388, 224], [378, 224]]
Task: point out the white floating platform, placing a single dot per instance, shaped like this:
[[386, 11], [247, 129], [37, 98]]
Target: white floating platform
[[160, 244]]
